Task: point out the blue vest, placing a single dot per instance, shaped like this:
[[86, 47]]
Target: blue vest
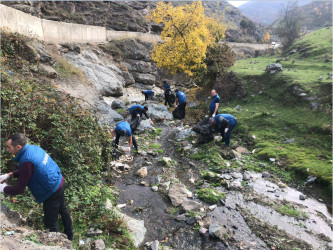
[[181, 97], [149, 92], [231, 119], [167, 88], [215, 99], [124, 126], [131, 109], [46, 177]]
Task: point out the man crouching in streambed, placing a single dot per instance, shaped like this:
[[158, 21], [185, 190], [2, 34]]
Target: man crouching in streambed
[[41, 174]]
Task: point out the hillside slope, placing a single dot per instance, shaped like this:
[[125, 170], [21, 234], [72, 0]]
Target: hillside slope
[[290, 112]]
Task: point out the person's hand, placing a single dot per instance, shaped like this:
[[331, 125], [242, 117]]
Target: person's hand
[[128, 149], [137, 115], [2, 187], [213, 115], [3, 178], [226, 130]]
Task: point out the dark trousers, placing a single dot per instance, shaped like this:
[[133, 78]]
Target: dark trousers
[[166, 99], [182, 109], [226, 136], [133, 138], [148, 96], [54, 206]]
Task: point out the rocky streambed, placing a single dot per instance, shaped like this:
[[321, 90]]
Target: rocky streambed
[[255, 211]]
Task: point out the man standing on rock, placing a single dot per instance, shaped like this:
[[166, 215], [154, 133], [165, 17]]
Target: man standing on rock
[[225, 124], [181, 102], [214, 104], [41, 174], [166, 92], [148, 94], [124, 129]]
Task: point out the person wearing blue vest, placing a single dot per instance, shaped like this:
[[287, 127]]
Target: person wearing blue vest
[[41, 174], [148, 94], [181, 102], [166, 92], [225, 124], [138, 110], [124, 129], [214, 103]]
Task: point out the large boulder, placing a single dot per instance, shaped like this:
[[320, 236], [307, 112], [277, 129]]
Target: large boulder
[[107, 115], [143, 78], [273, 68], [117, 104], [158, 112], [106, 81], [132, 49], [140, 66], [182, 133]]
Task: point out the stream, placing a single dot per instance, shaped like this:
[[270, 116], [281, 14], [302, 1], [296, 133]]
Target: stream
[[248, 217]]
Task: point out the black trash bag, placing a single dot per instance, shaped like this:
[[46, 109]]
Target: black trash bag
[[177, 113], [205, 139], [171, 99], [134, 123], [203, 128]]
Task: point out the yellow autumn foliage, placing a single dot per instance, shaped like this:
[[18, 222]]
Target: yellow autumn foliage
[[186, 35]]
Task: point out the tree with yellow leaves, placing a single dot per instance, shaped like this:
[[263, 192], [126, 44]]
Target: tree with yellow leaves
[[267, 37], [186, 35]]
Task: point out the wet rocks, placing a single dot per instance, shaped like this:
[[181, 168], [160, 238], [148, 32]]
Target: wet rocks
[[265, 175], [98, 245], [94, 232], [117, 104], [142, 172], [178, 194], [217, 230], [191, 205]]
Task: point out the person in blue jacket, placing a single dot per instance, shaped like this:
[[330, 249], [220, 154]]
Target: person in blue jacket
[[138, 110], [181, 102], [214, 103], [148, 94], [124, 129], [225, 124], [166, 92], [41, 174]]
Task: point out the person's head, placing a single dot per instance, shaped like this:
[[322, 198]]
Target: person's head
[[16, 142], [142, 92], [177, 90], [145, 108], [122, 132], [213, 92]]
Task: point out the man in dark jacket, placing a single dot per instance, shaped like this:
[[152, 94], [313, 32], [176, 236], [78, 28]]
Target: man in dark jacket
[[166, 92], [41, 174], [148, 94], [181, 102], [214, 104], [225, 123]]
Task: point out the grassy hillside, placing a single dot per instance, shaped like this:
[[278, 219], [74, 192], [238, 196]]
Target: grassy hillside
[[274, 114]]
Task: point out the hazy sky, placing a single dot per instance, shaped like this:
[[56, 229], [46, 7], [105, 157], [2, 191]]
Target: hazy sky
[[237, 3]]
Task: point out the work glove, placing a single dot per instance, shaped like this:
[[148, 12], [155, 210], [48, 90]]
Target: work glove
[[127, 149], [2, 186], [3, 178], [213, 115], [137, 115], [225, 130]]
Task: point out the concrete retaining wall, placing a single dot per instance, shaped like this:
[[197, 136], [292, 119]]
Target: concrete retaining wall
[[53, 31], [20, 22], [116, 35]]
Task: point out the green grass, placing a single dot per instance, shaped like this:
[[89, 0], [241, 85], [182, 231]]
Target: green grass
[[289, 211], [302, 68], [210, 195], [273, 114], [154, 146]]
